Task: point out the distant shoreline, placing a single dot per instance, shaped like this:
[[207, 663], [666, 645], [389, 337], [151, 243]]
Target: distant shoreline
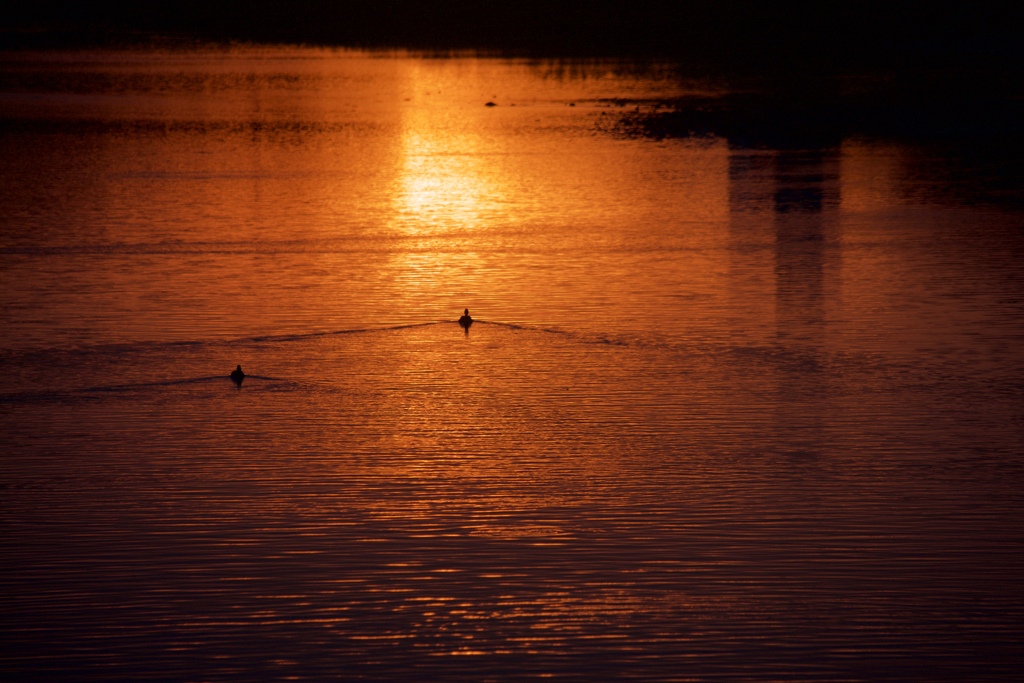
[[724, 37]]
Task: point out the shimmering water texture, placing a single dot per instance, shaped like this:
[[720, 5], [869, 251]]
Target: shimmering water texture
[[723, 414]]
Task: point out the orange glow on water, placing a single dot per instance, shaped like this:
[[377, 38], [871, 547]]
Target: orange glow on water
[[721, 405], [443, 181]]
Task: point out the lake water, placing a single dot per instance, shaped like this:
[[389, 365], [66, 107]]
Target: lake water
[[726, 413]]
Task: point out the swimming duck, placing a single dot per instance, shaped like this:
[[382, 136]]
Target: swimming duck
[[237, 375], [465, 320]]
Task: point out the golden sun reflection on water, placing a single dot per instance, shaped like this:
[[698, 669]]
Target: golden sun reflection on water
[[441, 180], [447, 187], [439, 190]]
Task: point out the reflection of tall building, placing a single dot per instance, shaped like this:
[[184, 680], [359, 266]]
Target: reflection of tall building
[[783, 206], [751, 241], [805, 202], [783, 217]]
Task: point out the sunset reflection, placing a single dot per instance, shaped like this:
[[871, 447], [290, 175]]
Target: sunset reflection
[[439, 190], [726, 411], [443, 178]]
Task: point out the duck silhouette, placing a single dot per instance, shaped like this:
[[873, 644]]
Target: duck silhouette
[[465, 320], [237, 375]]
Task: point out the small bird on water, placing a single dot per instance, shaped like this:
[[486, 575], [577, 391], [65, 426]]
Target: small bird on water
[[237, 375], [465, 320]]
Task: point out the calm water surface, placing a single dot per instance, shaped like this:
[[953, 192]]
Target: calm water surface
[[725, 413]]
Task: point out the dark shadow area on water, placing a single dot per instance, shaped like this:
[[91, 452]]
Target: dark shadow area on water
[[961, 135], [789, 199]]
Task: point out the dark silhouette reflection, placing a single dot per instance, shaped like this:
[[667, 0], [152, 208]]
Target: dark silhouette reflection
[[237, 376], [782, 202], [465, 321], [783, 205], [805, 202], [805, 199]]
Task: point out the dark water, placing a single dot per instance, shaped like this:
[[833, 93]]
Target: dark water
[[725, 413]]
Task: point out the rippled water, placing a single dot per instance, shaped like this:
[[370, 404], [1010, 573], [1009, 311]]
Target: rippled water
[[725, 413]]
